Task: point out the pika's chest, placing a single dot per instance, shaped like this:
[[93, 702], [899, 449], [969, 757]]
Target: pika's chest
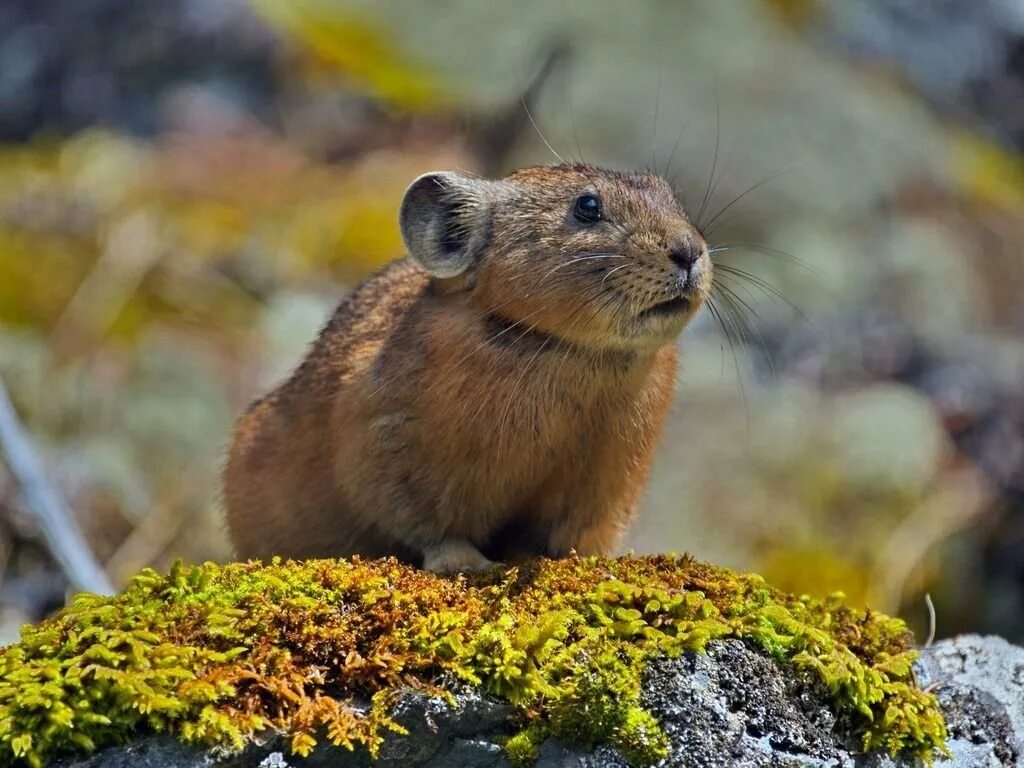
[[527, 420]]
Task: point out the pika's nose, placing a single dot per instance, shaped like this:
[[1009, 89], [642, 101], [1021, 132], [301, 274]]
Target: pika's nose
[[684, 252]]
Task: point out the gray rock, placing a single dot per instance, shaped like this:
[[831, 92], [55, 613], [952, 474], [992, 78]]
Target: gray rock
[[964, 57], [980, 683], [731, 707], [66, 66]]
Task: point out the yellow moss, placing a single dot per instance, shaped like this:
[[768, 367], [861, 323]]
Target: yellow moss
[[336, 39], [217, 653]]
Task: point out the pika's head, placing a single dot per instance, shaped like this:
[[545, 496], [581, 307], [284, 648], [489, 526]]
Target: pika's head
[[595, 257]]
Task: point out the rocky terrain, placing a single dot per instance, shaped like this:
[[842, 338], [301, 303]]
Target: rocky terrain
[[731, 707]]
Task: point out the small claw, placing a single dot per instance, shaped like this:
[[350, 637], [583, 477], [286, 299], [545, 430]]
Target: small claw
[[454, 557]]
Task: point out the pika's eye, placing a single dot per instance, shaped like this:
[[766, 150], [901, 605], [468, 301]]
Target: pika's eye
[[587, 209]]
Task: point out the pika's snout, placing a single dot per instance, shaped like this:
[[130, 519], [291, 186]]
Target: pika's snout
[[685, 251]]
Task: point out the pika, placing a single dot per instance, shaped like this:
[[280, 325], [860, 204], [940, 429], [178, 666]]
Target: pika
[[495, 395]]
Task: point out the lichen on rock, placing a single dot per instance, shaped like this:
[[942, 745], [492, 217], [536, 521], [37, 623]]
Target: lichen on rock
[[216, 654]]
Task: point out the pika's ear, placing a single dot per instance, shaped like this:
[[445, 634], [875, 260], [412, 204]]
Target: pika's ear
[[445, 221]]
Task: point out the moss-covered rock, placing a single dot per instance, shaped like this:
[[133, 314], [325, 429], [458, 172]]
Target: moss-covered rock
[[216, 654]]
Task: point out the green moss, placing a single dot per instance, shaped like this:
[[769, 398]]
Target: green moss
[[217, 653]]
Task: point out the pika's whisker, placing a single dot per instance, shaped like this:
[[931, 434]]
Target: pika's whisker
[[759, 248], [773, 292], [589, 257], [672, 154], [716, 312], [708, 228], [540, 133], [612, 272], [714, 161]]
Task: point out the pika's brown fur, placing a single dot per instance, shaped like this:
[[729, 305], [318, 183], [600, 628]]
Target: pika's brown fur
[[498, 394]]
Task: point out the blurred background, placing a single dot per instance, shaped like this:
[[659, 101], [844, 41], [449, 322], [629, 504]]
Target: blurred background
[[187, 188]]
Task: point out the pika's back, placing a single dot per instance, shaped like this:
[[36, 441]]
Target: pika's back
[[353, 336]]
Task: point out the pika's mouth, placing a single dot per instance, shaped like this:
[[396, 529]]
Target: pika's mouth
[[667, 308]]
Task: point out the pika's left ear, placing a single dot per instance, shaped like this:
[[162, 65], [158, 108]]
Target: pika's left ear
[[445, 221]]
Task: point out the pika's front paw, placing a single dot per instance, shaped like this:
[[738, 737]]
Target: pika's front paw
[[454, 557]]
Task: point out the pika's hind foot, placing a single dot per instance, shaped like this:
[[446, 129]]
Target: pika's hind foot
[[454, 557]]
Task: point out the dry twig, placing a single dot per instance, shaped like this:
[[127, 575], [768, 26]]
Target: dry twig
[[47, 505]]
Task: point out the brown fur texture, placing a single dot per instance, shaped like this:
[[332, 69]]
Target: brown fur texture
[[496, 395]]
